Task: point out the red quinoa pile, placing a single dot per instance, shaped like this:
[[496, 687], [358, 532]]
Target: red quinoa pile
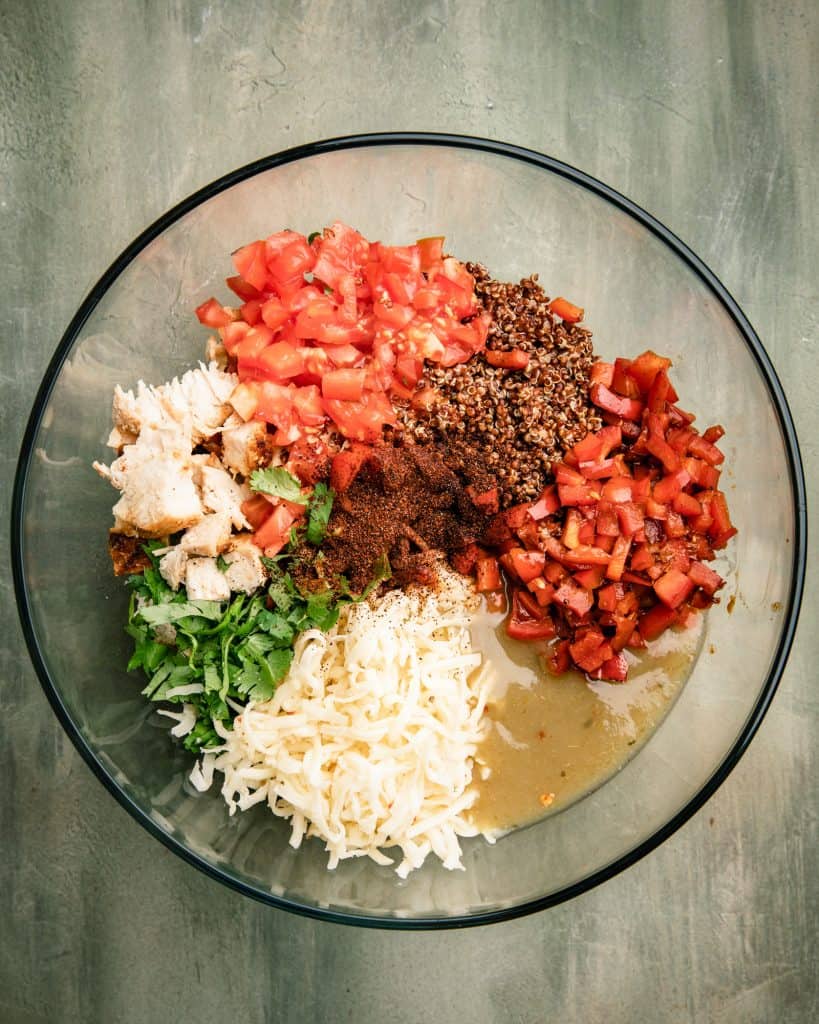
[[514, 422]]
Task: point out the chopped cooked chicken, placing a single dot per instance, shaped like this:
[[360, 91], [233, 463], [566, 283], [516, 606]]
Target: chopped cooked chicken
[[127, 554], [204, 580], [220, 492], [216, 352], [159, 496], [173, 566], [197, 402], [209, 537], [248, 446], [245, 569]]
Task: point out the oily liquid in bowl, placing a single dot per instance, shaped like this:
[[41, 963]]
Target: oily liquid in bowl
[[553, 739]]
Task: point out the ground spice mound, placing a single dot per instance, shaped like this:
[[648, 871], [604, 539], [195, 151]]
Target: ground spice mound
[[516, 423], [406, 502]]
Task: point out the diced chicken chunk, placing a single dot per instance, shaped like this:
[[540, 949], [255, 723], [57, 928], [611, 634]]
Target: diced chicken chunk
[[245, 570], [158, 493], [209, 537], [246, 447], [205, 581], [197, 403], [173, 566], [220, 492]]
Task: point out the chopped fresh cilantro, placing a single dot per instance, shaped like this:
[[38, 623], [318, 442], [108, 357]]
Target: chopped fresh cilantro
[[318, 513], [277, 481]]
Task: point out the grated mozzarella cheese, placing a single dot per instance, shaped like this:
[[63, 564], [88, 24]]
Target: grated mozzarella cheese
[[370, 741]]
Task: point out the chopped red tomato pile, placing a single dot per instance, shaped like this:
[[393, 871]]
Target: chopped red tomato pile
[[615, 551], [332, 326]]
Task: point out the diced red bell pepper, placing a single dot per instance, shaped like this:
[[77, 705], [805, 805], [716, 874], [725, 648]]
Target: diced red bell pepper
[[347, 464], [487, 575], [514, 359], [721, 529], [577, 494], [622, 382], [674, 555], [641, 558], [619, 554], [586, 533], [601, 373], [597, 470], [646, 367], [487, 501], [527, 564], [546, 505], [596, 446], [601, 540], [660, 393], [656, 509], [673, 587], [706, 451], [674, 525], [713, 434], [631, 518], [585, 555], [566, 310], [687, 505], [527, 620], [662, 450], [576, 599], [565, 474], [591, 650], [655, 621], [571, 528], [614, 669], [560, 659], [607, 597], [705, 577], [464, 560], [679, 438], [590, 578], [618, 489], [701, 473], [554, 572], [625, 408]]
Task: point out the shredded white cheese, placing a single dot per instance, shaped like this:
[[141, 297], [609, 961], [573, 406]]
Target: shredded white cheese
[[370, 741]]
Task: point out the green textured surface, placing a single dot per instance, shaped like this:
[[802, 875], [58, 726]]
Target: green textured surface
[[703, 113]]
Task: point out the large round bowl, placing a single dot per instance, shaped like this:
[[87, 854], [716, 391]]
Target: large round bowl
[[517, 212]]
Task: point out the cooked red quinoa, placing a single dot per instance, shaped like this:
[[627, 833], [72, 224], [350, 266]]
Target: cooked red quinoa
[[516, 423]]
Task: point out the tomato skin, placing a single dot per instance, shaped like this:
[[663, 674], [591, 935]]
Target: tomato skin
[[274, 533]]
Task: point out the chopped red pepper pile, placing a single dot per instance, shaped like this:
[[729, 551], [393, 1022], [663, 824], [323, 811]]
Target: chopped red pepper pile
[[332, 326], [615, 551]]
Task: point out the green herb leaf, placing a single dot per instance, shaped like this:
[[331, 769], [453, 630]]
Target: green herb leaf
[[277, 481], [318, 513], [313, 236]]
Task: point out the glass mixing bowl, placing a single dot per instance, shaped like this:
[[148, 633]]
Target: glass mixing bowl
[[517, 212]]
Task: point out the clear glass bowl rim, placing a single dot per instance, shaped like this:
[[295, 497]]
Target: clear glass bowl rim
[[550, 164]]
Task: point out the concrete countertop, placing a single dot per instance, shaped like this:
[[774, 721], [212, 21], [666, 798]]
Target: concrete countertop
[[702, 112]]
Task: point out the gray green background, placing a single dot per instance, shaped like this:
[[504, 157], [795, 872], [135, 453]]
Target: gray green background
[[702, 112]]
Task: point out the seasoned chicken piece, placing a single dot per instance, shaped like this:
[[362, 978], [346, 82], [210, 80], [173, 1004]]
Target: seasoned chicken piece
[[220, 492], [205, 582], [127, 554], [159, 496], [245, 570], [197, 402], [209, 537], [216, 352], [246, 447], [173, 566]]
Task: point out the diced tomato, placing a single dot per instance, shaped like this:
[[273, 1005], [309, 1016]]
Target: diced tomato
[[631, 518], [618, 489], [340, 250], [617, 560], [584, 555], [232, 333], [346, 384], [596, 446], [274, 533], [274, 313], [431, 251], [308, 460], [566, 310], [275, 405], [362, 420], [577, 494], [308, 405], [251, 264], [674, 525], [280, 361], [687, 505], [213, 314], [240, 287], [590, 578], [256, 510], [251, 311], [290, 262], [614, 669], [608, 596], [721, 529]]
